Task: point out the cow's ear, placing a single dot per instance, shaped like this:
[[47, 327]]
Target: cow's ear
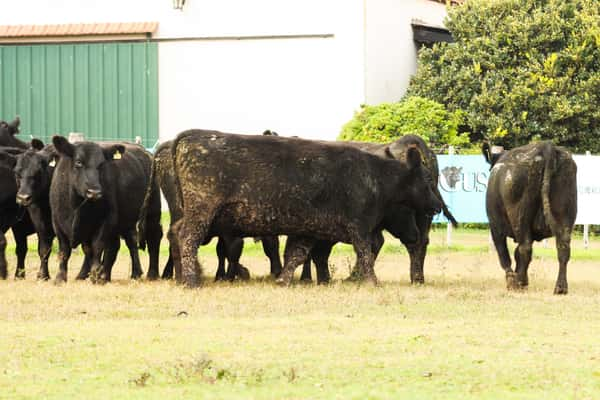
[[62, 145], [413, 158], [37, 144], [7, 159], [14, 126], [114, 152]]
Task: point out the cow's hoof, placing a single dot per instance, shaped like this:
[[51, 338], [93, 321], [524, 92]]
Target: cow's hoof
[[243, 273], [418, 281], [561, 289], [354, 276], [61, 278], [82, 276], [306, 281], [43, 277], [191, 283], [20, 274], [511, 281], [139, 274], [283, 281], [3, 275], [220, 278]]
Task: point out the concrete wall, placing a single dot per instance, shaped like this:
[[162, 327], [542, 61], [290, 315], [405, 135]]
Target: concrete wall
[[307, 87], [390, 52]]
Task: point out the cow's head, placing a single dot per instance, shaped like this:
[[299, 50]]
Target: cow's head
[[84, 162], [492, 154], [33, 173], [8, 130], [420, 186]]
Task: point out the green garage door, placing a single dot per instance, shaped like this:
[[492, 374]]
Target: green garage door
[[107, 91]]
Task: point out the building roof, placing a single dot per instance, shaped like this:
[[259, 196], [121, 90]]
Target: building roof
[[92, 29]]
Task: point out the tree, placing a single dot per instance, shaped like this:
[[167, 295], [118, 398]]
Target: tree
[[388, 121], [521, 70]]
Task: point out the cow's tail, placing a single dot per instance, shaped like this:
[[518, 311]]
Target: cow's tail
[[445, 210], [142, 219], [549, 167]]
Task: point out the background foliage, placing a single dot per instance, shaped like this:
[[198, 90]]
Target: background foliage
[[521, 70], [417, 115]]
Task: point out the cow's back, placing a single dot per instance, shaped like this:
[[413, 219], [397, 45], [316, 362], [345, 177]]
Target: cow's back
[[514, 198]]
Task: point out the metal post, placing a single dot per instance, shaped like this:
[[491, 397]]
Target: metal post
[[449, 225], [586, 227]]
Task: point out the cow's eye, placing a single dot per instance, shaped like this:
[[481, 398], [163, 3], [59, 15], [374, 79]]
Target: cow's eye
[[78, 164]]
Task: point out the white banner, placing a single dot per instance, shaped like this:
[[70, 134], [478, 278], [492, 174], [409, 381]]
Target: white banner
[[588, 189]]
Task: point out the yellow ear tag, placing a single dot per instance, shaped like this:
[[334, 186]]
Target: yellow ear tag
[[52, 162], [117, 155]]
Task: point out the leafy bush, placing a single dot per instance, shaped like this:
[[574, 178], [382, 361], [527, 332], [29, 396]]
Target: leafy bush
[[417, 115], [522, 70]]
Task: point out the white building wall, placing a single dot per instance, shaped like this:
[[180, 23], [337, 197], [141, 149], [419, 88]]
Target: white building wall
[[390, 51], [306, 87]]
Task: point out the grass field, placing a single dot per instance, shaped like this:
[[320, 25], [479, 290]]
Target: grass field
[[461, 336]]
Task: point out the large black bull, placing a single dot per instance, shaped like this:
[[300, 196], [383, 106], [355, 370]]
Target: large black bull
[[417, 246], [244, 185], [95, 197], [227, 247], [532, 195]]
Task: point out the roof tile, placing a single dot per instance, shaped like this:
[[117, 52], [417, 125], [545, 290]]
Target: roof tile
[[103, 28]]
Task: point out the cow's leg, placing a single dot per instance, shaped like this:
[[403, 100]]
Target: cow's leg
[[109, 256], [270, 246], [192, 231], [297, 249], [221, 274], [417, 253], [105, 245], [320, 256], [306, 275], [522, 260], [235, 246], [356, 274], [21, 250], [563, 247], [84, 272], [365, 259], [3, 263], [499, 240], [64, 253], [44, 250], [136, 266], [173, 237], [154, 234], [168, 270]]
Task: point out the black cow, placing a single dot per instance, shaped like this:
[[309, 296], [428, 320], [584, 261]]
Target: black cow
[[415, 241], [227, 247], [95, 197], [12, 215], [246, 185], [532, 195]]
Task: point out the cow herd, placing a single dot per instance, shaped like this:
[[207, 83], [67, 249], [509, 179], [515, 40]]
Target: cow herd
[[230, 186]]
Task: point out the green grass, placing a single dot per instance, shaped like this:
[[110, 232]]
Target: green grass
[[461, 336]]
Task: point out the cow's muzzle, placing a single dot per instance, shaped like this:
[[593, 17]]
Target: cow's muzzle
[[93, 194], [24, 199]]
